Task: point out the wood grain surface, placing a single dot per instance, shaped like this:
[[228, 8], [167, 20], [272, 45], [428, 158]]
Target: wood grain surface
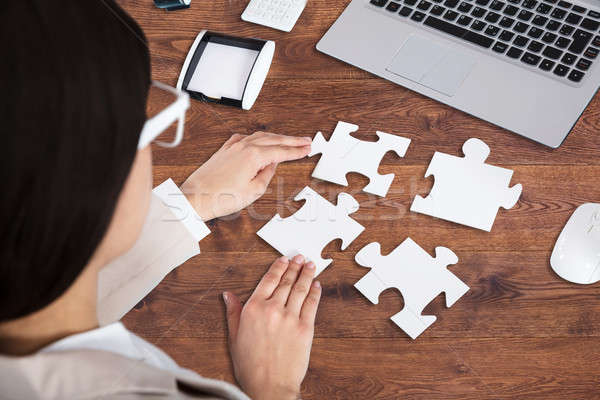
[[519, 333]]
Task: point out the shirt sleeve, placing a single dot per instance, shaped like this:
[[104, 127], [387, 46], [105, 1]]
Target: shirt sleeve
[[169, 238], [173, 197]]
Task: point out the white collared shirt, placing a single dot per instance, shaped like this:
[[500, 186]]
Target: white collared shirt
[[115, 338]]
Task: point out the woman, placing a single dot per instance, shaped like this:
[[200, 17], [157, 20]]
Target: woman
[[78, 194]]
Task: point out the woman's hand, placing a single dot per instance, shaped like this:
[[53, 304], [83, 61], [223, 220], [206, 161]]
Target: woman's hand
[[271, 336], [240, 171]]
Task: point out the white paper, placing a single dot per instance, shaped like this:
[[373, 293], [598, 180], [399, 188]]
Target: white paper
[[222, 71]]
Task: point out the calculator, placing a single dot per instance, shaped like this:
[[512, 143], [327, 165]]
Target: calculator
[[276, 14]]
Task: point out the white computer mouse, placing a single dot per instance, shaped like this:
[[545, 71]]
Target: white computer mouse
[[576, 255]]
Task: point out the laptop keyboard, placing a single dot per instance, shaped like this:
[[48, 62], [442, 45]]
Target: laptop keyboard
[[554, 36]]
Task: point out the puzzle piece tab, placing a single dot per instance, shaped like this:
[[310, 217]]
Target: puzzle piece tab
[[344, 153], [313, 226], [418, 276], [466, 190]]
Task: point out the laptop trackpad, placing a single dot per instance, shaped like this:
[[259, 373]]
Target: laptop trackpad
[[432, 64]]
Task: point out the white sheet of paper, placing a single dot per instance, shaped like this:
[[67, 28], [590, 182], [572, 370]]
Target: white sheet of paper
[[223, 71]]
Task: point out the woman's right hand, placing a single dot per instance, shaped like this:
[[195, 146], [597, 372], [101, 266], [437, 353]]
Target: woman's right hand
[[270, 337]]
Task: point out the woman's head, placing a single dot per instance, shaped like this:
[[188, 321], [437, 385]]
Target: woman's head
[[73, 104]]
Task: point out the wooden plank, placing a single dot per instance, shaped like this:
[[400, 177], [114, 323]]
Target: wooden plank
[[432, 369], [303, 107], [550, 195], [511, 295]]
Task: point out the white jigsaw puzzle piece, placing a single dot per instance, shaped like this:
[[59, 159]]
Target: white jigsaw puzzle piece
[[313, 226], [466, 190], [344, 153], [418, 276]]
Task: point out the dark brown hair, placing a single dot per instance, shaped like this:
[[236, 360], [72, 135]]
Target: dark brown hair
[[75, 80]]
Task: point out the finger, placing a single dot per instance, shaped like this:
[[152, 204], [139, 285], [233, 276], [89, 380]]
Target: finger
[[311, 304], [262, 179], [301, 288], [266, 155], [271, 279], [236, 137], [273, 139], [234, 309], [281, 294]]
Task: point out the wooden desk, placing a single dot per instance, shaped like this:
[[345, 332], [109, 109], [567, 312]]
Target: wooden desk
[[519, 333]]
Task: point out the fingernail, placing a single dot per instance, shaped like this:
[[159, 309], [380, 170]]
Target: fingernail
[[317, 284], [284, 259], [299, 259], [225, 297], [310, 265], [306, 138]]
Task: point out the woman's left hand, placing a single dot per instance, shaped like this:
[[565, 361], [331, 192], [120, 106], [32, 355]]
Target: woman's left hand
[[240, 171]]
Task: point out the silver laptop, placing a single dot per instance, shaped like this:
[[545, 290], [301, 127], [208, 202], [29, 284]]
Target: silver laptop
[[528, 66]]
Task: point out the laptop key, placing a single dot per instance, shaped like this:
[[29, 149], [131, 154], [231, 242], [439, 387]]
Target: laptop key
[[562, 42], [583, 64], [521, 27], [553, 25], [417, 16], [535, 46], [458, 31], [497, 5], [506, 22], [591, 53], [492, 30], [596, 41], [530, 59], [500, 47], [393, 7], [589, 24], [568, 58], [478, 25], [543, 8], [579, 9], [511, 10], [450, 15], [405, 12], [561, 70], [529, 4], [558, 13], [410, 2], [566, 30], [465, 7], [549, 37], [525, 15], [478, 12], [546, 65], [451, 3], [594, 14], [520, 41], [506, 36], [513, 52], [576, 76], [424, 5], [437, 10], [482, 2], [580, 40], [552, 52], [492, 17], [464, 20], [573, 18], [539, 20], [379, 3], [535, 32], [564, 4]]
